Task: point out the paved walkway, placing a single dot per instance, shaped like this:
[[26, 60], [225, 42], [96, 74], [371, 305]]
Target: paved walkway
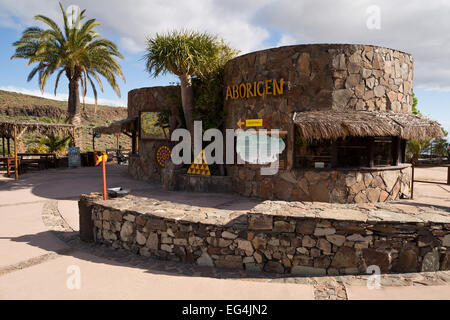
[[41, 253]]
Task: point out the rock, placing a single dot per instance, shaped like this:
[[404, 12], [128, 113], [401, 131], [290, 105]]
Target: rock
[[253, 267], [155, 224], [258, 257], [324, 245], [229, 264], [377, 258], [372, 194], [129, 217], [248, 260], [322, 262], [308, 271], [229, 235], [273, 267], [324, 231], [180, 242], [446, 240], [259, 241], [379, 91], [218, 242], [308, 242], [445, 262], [283, 226], [358, 237], [260, 222], [345, 258], [338, 62], [108, 235], [126, 231], [336, 239], [407, 260], [152, 241], [166, 247], [246, 246], [302, 250], [305, 226], [341, 97], [430, 261], [303, 63], [140, 238]]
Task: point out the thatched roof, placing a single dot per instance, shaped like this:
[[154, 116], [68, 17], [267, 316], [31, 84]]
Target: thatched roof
[[126, 125], [7, 128], [333, 124]]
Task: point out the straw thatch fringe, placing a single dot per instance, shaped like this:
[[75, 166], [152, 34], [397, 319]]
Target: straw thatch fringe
[[7, 128], [334, 124], [126, 125]]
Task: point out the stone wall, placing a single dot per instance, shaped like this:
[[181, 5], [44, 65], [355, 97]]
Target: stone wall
[[144, 166], [279, 237], [152, 99], [326, 185], [320, 77]]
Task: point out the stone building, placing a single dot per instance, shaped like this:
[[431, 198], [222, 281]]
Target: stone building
[[343, 113]]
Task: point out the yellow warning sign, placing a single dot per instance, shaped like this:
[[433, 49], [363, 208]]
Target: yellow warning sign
[[199, 166]]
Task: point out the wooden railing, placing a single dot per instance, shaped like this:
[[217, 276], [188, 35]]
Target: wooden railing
[[425, 181]]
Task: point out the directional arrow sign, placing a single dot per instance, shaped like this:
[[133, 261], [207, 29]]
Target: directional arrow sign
[[254, 123]]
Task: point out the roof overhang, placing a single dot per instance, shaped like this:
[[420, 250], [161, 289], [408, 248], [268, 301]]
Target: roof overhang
[[334, 124]]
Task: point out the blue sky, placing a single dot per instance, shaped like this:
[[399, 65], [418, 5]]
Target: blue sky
[[417, 27]]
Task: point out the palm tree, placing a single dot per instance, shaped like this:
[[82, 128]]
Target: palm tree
[[79, 52], [186, 54]]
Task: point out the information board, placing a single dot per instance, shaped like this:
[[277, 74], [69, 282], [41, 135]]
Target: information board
[[74, 157]]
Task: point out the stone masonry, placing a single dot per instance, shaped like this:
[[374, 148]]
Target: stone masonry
[[279, 237], [327, 185], [320, 77]]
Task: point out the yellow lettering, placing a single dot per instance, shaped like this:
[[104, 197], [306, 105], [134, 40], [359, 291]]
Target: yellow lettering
[[235, 92], [261, 94], [249, 90], [242, 95], [278, 89], [229, 94], [267, 87]]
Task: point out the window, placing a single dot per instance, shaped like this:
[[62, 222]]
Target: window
[[344, 152], [352, 152]]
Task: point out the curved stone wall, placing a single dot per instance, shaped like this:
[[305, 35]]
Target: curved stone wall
[[292, 238], [318, 77], [152, 99], [326, 185]]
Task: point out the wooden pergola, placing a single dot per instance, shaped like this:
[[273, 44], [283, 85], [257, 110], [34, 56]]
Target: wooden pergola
[[15, 129]]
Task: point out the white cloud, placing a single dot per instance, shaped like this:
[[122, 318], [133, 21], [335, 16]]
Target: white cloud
[[62, 96], [286, 40], [421, 28]]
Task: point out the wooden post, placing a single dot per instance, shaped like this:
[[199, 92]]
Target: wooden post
[[9, 147], [93, 142], [448, 175], [412, 181], [16, 169], [133, 142], [104, 176], [117, 141], [3, 146]]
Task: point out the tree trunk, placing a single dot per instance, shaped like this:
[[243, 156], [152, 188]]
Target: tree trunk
[[74, 102], [187, 101], [74, 108]]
